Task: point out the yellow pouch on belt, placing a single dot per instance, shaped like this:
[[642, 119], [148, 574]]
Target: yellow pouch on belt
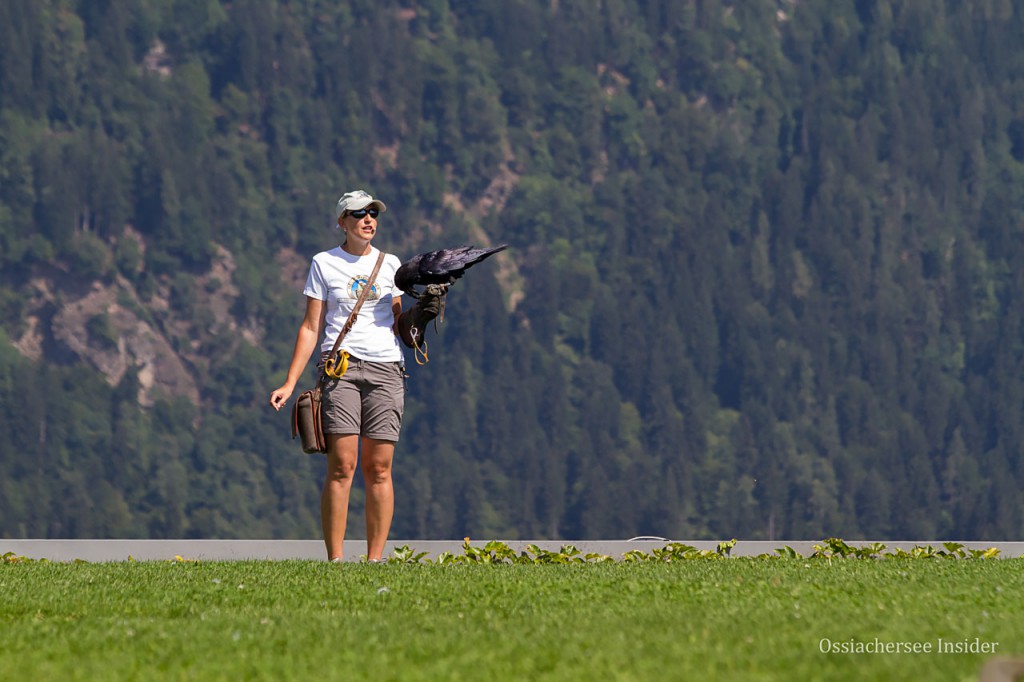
[[336, 367]]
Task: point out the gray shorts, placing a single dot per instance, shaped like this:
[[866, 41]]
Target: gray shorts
[[368, 400]]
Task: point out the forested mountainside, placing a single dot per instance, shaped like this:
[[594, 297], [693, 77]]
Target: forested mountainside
[[764, 279]]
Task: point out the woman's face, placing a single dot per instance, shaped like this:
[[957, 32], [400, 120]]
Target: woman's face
[[361, 224]]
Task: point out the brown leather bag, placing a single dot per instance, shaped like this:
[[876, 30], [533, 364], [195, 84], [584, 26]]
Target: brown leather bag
[[307, 414], [307, 421]]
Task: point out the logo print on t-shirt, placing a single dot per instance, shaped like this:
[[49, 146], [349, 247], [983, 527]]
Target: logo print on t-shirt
[[355, 287]]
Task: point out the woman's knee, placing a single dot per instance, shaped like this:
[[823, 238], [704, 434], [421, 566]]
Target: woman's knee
[[377, 472], [377, 458], [341, 457], [340, 471]]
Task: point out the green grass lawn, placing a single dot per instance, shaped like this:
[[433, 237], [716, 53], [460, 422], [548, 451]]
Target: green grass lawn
[[700, 619]]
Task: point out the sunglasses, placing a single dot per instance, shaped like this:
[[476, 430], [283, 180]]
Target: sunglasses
[[363, 212]]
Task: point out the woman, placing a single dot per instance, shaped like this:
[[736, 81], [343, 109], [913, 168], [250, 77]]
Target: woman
[[365, 405]]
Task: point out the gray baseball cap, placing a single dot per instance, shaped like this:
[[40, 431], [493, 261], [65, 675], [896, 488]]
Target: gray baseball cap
[[357, 199]]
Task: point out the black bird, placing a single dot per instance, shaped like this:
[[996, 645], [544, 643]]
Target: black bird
[[443, 266]]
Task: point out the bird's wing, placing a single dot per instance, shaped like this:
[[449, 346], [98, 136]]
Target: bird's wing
[[442, 261], [443, 266]]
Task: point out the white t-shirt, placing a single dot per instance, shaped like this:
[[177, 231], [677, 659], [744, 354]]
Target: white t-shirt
[[337, 277]]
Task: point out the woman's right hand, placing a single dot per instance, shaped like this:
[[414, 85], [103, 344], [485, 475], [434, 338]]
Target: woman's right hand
[[305, 342], [280, 396]]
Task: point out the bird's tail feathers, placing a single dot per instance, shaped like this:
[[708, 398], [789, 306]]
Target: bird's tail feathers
[[480, 254]]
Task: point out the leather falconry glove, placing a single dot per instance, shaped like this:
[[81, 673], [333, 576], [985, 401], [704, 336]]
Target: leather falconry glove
[[412, 323]]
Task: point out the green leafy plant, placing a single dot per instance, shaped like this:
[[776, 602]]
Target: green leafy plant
[[990, 553], [832, 548], [497, 552], [871, 551], [567, 554], [788, 552], [405, 555], [12, 558]]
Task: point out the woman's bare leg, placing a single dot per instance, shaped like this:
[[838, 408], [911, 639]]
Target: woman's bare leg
[[380, 494], [342, 455]]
